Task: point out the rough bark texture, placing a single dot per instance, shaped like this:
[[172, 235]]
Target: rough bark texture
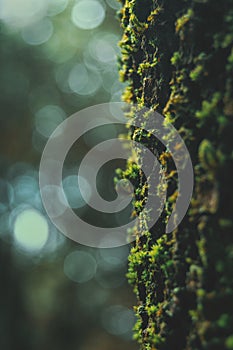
[[177, 58]]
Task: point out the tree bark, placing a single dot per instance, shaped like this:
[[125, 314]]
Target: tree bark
[[177, 58]]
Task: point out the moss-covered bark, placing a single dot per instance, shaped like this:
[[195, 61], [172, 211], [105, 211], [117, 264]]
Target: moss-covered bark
[[177, 58]]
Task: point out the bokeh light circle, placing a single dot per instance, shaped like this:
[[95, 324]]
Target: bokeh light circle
[[78, 78], [88, 14], [48, 118], [72, 191], [56, 6], [20, 13], [118, 320], [84, 81], [114, 4], [38, 33], [80, 266], [31, 230]]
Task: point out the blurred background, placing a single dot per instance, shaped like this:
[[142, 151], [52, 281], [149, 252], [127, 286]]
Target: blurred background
[[57, 57]]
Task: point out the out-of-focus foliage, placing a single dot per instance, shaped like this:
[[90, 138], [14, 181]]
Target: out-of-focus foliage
[[177, 59], [56, 57]]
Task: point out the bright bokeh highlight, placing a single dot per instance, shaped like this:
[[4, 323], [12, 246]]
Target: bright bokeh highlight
[[31, 230], [88, 14]]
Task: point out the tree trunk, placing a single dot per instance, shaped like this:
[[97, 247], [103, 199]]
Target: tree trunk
[[177, 58]]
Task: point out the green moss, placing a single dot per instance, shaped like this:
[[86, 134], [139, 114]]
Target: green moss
[[181, 22], [207, 155], [176, 58], [229, 342], [208, 107], [195, 74]]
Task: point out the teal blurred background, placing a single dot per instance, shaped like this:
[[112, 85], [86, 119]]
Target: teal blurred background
[[57, 57]]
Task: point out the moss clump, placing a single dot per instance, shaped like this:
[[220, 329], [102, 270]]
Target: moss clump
[[177, 59]]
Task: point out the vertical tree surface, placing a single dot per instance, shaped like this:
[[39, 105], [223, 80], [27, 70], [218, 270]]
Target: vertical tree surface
[[177, 58]]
